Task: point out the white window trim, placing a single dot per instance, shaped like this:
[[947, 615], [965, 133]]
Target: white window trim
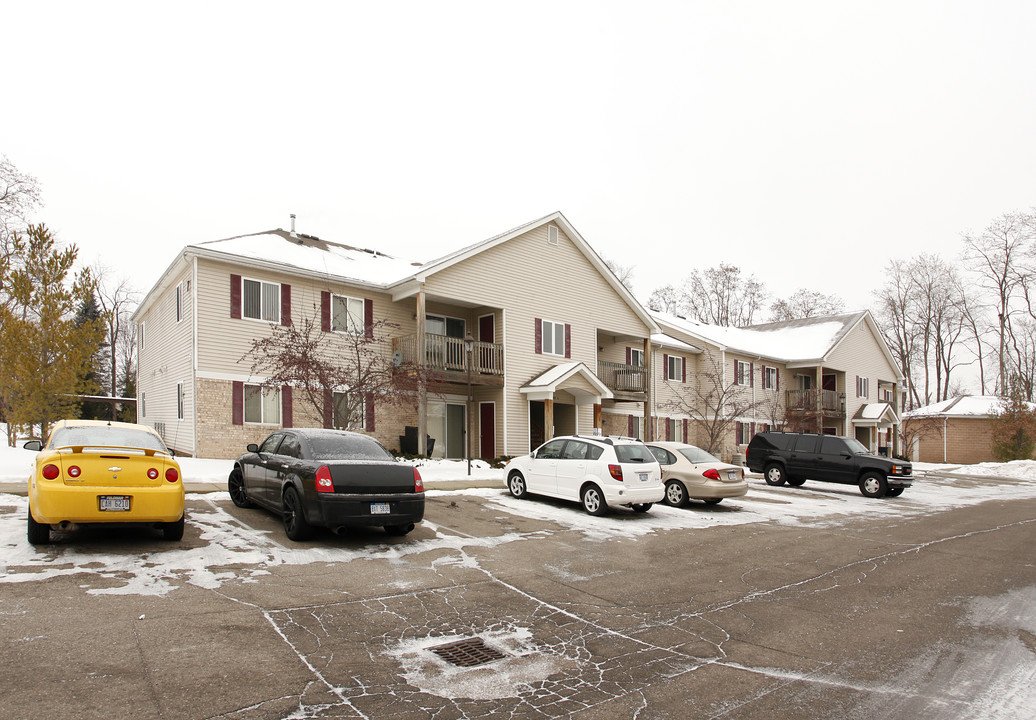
[[262, 406], [544, 335], [670, 367], [863, 387], [359, 329], [262, 284], [744, 373], [361, 422], [142, 334], [179, 302], [179, 401], [767, 385], [636, 357]]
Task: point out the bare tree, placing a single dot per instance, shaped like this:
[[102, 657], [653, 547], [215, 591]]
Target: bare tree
[[19, 195], [357, 368], [804, 303], [623, 273], [712, 403], [665, 299], [117, 299], [717, 296], [895, 320], [996, 257]]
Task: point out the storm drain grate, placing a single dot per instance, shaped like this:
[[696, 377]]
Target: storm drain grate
[[468, 653]]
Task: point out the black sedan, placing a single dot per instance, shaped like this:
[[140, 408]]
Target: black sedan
[[328, 478]]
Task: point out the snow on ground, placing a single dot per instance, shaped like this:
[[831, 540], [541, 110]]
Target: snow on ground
[[233, 549]]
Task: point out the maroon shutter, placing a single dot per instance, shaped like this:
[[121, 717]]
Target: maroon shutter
[[325, 311], [328, 412], [735, 373], [286, 418], [235, 297], [568, 340], [238, 402], [539, 336], [751, 374], [629, 426], [683, 366], [777, 377], [629, 356], [369, 412], [665, 366], [751, 433], [368, 318], [685, 431], [285, 304], [857, 386]]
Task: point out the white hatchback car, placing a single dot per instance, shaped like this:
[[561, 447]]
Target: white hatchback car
[[596, 471]]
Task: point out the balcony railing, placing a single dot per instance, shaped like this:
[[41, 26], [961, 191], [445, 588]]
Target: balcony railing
[[624, 378], [447, 353], [831, 402]]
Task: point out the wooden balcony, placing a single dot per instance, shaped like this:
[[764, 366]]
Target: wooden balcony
[[628, 382], [829, 402], [447, 355]]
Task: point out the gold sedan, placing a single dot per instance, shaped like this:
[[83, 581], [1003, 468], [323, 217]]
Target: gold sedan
[[97, 473]]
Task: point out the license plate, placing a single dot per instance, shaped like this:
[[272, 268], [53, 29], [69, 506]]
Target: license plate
[[732, 474], [644, 477], [115, 503], [380, 509]]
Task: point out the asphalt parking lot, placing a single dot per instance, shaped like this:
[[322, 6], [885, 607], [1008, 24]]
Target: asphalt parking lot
[[807, 603]]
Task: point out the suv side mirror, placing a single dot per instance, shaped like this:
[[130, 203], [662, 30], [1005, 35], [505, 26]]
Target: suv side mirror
[[533, 455], [34, 445]]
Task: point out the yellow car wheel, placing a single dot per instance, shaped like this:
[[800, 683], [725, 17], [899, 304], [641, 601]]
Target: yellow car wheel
[[37, 533]]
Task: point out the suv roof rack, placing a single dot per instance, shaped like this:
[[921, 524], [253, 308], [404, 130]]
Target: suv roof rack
[[606, 439]]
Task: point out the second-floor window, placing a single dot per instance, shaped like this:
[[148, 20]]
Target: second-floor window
[[553, 338], [261, 300], [862, 387], [179, 401], [346, 314], [179, 302], [743, 373], [674, 368], [770, 378], [636, 357]]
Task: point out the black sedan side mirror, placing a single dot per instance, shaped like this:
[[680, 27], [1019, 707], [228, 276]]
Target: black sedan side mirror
[[34, 445], [252, 447]]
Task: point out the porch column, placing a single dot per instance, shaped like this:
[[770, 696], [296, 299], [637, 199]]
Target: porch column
[[548, 418], [820, 398], [598, 419], [649, 395], [422, 393]]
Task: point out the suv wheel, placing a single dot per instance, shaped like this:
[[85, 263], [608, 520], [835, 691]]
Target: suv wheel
[[593, 500], [795, 482], [873, 485], [774, 474], [894, 492]]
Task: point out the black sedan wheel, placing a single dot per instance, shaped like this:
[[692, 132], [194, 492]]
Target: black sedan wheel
[[873, 485], [516, 485], [295, 525], [675, 493], [236, 486], [38, 533], [774, 474]]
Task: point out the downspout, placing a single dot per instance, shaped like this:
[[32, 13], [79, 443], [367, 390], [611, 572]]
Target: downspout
[[194, 342]]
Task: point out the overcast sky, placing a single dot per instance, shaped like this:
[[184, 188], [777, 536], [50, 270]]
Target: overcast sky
[[806, 142]]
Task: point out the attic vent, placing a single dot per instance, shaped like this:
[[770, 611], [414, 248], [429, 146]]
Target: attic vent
[[468, 653], [552, 235]]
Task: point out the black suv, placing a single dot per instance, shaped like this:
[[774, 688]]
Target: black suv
[[797, 457]]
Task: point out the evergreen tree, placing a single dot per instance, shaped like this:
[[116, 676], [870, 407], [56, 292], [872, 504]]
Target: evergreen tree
[[1014, 429], [95, 371], [44, 351]]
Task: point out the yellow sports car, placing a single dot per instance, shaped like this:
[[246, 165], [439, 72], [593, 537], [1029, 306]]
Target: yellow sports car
[[94, 472]]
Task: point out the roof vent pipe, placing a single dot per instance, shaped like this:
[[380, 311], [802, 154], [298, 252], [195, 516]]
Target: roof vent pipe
[[293, 224]]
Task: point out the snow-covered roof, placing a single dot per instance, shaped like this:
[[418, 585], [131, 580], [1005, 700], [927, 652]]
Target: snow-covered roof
[[962, 406], [795, 340], [310, 254], [673, 343], [554, 378]]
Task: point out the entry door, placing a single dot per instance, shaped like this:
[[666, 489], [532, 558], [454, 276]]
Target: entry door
[[487, 430], [537, 424], [455, 431]]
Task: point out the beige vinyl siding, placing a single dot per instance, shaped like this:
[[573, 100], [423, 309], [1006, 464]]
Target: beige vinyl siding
[[167, 359], [530, 279], [224, 342], [860, 353]]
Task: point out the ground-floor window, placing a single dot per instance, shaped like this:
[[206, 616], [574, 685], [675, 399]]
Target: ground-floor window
[[346, 417], [262, 405], [446, 423]]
